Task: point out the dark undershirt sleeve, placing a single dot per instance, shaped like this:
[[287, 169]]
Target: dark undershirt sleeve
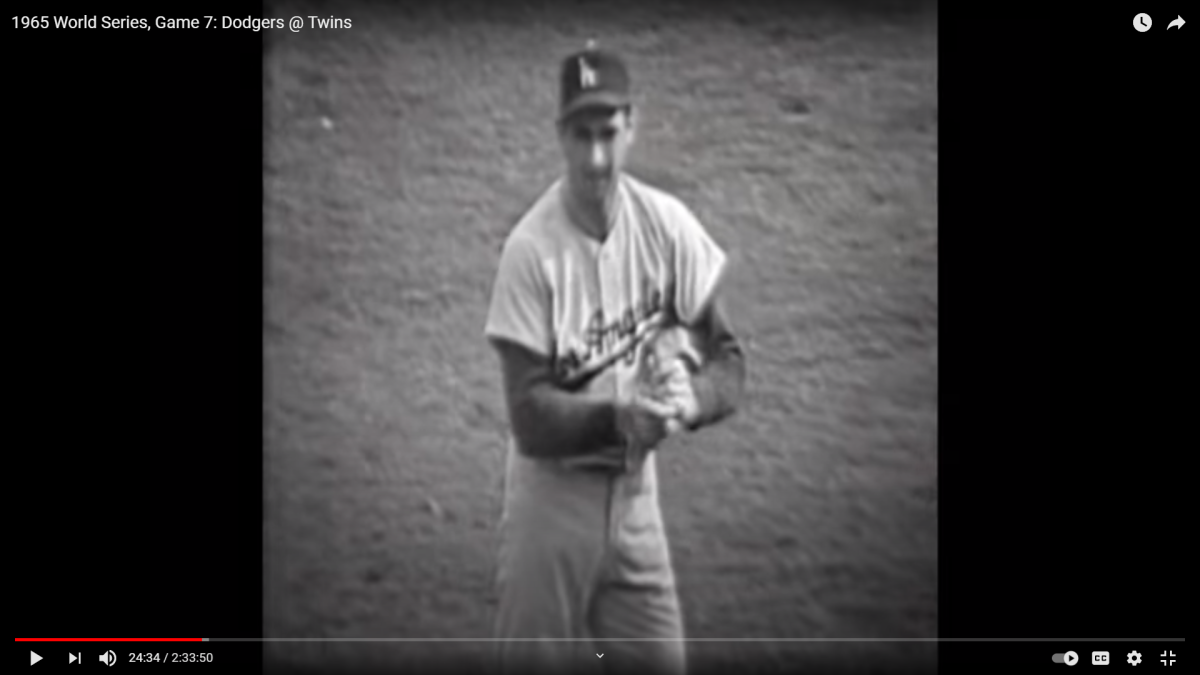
[[719, 383]]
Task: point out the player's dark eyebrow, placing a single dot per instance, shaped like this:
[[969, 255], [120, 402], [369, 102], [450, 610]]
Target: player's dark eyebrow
[[584, 130]]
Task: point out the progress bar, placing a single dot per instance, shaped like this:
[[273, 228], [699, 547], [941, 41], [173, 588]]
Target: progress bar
[[700, 639], [113, 639], [589, 640]]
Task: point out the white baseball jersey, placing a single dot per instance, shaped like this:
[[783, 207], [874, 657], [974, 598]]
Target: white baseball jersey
[[581, 302]]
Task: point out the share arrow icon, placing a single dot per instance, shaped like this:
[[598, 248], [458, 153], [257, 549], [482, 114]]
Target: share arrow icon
[[1178, 22]]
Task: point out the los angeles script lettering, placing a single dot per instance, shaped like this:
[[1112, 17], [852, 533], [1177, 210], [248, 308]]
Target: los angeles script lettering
[[602, 337]]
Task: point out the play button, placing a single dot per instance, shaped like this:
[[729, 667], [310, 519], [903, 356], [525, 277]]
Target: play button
[[1071, 659], [34, 658]]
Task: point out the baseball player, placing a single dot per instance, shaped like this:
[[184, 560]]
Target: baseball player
[[600, 266]]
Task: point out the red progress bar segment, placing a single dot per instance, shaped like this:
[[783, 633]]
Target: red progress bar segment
[[109, 639]]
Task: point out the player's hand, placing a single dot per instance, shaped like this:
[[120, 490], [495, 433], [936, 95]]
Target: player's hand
[[643, 422], [673, 387], [665, 375]]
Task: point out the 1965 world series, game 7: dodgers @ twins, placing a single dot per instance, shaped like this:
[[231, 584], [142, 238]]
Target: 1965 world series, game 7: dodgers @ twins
[[247, 23]]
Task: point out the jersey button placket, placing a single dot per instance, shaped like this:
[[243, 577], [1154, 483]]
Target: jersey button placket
[[607, 295], [610, 281]]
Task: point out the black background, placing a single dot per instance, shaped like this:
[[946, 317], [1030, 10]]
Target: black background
[[134, 245]]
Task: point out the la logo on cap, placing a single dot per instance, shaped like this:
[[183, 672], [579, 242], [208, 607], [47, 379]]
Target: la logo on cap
[[587, 76]]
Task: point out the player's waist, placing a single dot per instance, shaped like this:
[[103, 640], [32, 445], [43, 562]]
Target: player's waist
[[603, 465], [605, 462]]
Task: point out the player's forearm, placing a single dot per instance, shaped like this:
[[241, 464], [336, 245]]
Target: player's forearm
[[719, 384], [551, 423], [546, 419]]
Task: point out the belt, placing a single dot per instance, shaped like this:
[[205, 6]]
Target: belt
[[600, 469], [595, 467]]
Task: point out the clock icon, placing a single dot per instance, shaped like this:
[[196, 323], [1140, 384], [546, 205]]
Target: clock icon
[[1141, 23]]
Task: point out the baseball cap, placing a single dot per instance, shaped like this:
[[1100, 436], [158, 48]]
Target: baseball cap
[[593, 78]]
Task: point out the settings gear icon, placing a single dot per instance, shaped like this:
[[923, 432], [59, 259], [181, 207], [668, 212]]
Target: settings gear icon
[[1134, 658]]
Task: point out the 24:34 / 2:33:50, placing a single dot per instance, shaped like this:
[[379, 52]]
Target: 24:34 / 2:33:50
[[174, 657]]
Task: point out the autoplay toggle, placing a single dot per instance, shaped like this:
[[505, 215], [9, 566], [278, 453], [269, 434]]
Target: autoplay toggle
[[1070, 658]]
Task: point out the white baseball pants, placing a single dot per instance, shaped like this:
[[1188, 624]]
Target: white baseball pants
[[583, 566]]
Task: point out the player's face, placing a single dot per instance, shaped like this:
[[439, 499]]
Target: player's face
[[595, 143]]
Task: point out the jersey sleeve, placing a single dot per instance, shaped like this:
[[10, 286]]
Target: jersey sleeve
[[520, 306], [698, 264]]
